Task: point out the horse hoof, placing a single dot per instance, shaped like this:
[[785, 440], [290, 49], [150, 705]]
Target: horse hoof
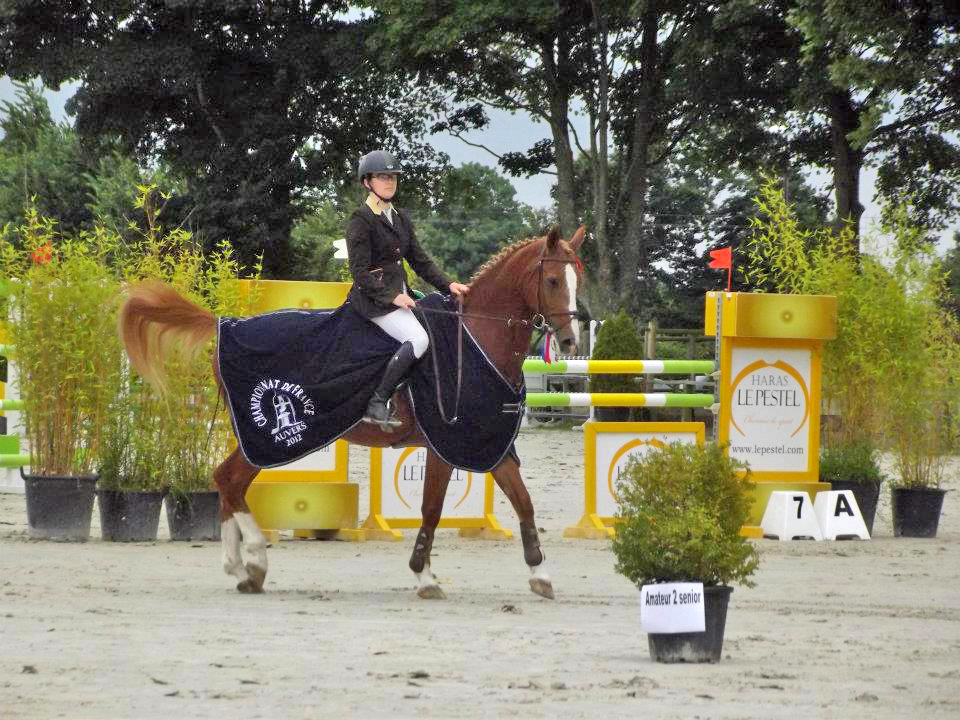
[[253, 583], [431, 592], [543, 588], [249, 587]]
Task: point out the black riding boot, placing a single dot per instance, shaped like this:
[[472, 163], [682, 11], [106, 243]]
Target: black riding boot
[[377, 411]]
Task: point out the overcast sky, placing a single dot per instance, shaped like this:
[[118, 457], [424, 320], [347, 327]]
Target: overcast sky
[[509, 132]]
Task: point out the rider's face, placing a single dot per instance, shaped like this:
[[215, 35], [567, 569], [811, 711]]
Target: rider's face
[[384, 185]]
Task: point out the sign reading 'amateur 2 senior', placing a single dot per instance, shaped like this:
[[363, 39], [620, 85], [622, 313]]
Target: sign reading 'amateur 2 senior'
[[770, 405]]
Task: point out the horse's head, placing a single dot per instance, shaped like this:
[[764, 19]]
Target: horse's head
[[550, 286]]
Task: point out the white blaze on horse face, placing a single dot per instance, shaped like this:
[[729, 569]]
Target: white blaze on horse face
[[572, 288]]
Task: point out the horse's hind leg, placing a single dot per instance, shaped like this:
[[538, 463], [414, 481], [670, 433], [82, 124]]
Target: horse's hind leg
[[434, 491], [507, 475], [237, 526]]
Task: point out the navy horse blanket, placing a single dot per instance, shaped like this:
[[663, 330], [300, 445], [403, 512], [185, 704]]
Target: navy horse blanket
[[296, 380]]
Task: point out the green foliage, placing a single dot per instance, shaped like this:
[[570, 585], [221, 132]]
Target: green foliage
[[891, 370], [253, 103], [311, 244], [61, 318], [852, 463], [681, 510], [85, 411], [871, 89], [617, 339], [42, 164], [475, 215]]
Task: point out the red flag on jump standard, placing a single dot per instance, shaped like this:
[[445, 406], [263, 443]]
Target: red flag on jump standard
[[722, 258]]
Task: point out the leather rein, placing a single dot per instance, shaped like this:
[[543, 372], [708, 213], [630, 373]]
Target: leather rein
[[537, 321]]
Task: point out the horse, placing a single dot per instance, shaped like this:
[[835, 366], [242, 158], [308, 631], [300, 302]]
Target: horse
[[528, 284]]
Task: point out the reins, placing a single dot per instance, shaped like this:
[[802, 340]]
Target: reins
[[537, 321]]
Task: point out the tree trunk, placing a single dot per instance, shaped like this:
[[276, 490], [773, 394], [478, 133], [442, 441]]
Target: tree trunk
[[600, 163], [559, 93], [635, 253], [847, 163]]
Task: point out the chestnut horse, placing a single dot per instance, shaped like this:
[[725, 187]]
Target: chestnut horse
[[528, 282]]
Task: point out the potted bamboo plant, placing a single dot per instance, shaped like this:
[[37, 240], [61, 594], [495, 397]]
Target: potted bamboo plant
[[131, 482], [920, 455], [681, 510], [60, 316], [195, 441]]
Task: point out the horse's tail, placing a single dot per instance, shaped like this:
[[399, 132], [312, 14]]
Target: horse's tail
[[153, 320]]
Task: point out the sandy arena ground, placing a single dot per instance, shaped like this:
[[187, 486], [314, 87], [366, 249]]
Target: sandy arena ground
[[156, 630]]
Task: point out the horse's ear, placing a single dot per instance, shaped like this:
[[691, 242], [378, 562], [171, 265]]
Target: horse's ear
[[553, 238], [577, 240]]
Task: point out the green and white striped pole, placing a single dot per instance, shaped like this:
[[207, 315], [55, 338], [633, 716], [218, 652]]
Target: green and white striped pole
[[681, 400]]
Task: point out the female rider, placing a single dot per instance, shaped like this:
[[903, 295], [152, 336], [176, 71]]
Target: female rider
[[379, 238]]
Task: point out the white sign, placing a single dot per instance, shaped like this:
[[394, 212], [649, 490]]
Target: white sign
[[789, 516], [839, 515], [770, 408], [403, 471], [340, 249], [614, 450], [672, 608]]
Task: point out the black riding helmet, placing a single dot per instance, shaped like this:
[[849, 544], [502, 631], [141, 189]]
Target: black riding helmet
[[378, 161]]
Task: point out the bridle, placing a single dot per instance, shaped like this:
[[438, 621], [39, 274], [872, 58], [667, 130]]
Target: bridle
[[538, 321]]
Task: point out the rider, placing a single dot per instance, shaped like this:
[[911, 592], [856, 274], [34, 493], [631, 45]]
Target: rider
[[379, 238]]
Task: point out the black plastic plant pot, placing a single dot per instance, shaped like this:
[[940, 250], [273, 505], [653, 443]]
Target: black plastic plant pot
[[867, 495], [129, 516], [696, 647], [916, 511], [194, 516], [59, 508]]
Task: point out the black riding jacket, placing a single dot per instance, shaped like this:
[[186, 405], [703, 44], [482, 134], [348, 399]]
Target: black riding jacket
[[376, 249]]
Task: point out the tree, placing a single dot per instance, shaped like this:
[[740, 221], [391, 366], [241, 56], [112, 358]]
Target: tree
[[475, 214], [41, 159], [311, 243], [655, 79], [250, 102], [880, 84]]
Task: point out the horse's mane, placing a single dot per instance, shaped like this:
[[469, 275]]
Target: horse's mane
[[502, 255]]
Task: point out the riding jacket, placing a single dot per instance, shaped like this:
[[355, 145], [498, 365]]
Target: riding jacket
[[376, 249]]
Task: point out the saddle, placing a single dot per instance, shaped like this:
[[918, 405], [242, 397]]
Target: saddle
[[296, 380]]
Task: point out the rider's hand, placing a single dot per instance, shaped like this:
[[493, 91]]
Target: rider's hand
[[459, 289], [404, 301]]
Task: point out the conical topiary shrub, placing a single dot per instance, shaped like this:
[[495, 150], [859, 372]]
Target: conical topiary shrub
[[618, 339]]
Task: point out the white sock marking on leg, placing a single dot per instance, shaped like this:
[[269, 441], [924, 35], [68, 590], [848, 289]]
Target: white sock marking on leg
[[539, 572], [230, 543], [425, 577], [254, 543]]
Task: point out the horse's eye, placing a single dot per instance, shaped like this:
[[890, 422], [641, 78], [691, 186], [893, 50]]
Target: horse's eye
[[553, 282]]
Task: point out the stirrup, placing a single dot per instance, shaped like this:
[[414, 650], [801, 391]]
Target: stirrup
[[387, 424]]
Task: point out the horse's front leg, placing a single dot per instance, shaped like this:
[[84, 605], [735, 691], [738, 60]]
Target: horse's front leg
[[434, 491], [237, 526], [507, 475]]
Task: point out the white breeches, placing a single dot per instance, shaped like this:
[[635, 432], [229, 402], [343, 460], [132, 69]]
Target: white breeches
[[403, 326]]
